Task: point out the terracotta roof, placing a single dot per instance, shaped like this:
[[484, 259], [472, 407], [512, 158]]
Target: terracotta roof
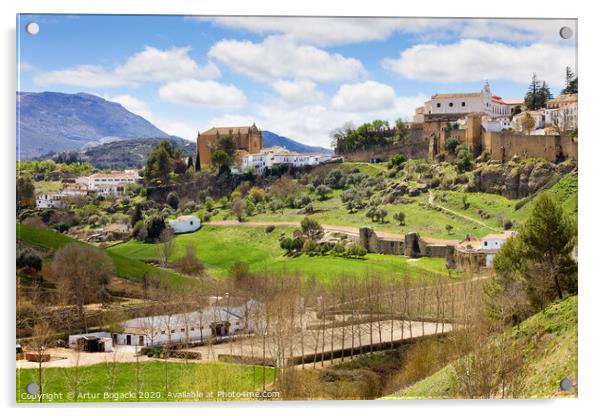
[[564, 98], [228, 130]]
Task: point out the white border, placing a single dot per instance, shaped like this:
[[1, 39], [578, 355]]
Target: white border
[[590, 211]]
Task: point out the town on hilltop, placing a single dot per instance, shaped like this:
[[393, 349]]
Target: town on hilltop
[[433, 256]]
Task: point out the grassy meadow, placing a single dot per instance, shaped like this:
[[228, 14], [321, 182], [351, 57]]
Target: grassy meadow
[[219, 247], [123, 266], [157, 379]]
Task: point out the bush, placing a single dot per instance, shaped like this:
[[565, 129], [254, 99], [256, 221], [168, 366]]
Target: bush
[[269, 229], [397, 159], [30, 259], [173, 200]]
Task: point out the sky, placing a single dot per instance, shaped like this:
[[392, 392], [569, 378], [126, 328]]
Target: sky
[[300, 77]]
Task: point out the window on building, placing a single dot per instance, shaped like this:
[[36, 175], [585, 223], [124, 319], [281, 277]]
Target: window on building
[[463, 104], [173, 331], [183, 330], [438, 105], [485, 243], [451, 104], [162, 332]]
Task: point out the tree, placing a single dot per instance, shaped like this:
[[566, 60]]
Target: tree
[[238, 207], [400, 217], [537, 265], [29, 259], [154, 226], [83, 271], [256, 194], [537, 94], [449, 228], [137, 215], [549, 237], [160, 162], [173, 200], [451, 144], [166, 245], [25, 191], [189, 263], [311, 229], [220, 159], [464, 159], [197, 162], [42, 338], [227, 144], [527, 122], [322, 191]]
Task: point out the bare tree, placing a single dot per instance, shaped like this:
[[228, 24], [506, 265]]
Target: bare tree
[[85, 271], [166, 245], [42, 338]]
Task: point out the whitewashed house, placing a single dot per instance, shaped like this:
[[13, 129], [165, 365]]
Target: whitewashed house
[[193, 327], [50, 200], [112, 183], [185, 224], [273, 156]]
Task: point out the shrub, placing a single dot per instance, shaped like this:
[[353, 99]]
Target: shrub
[[269, 229], [28, 258]]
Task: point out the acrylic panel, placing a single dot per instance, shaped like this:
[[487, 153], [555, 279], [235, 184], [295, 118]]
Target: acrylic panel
[[218, 208]]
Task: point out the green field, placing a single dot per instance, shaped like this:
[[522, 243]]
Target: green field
[[219, 247], [550, 355], [123, 266], [154, 379]]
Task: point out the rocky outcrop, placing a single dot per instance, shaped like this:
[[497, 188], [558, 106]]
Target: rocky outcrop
[[517, 180]]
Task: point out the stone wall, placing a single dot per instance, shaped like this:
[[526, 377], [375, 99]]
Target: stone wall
[[504, 146]]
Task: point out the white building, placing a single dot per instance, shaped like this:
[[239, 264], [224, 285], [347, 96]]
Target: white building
[[112, 183], [562, 112], [60, 199], [484, 102], [50, 200], [274, 156], [99, 341], [185, 224], [194, 327]]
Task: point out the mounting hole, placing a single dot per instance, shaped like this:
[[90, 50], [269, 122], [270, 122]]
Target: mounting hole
[[32, 28], [566, 384], [566, 32]]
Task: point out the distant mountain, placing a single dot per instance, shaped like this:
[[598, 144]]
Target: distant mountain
[[54, 122], [272, 139], [129, 153]]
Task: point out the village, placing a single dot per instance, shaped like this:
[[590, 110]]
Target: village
[[443, 263]]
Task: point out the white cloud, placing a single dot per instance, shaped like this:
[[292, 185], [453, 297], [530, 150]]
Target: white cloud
[[132, 104], [329, 31], [323, 31], [278, 57], [298, 92], [151, 64], [208, 94], [475, 60], [365, 96]]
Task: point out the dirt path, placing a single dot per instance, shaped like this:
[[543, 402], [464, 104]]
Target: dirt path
[[467, 218], [329, 227]]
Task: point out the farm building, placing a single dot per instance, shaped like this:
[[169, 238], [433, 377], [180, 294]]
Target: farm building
[[193, 327], [92, 342], [185, 224]]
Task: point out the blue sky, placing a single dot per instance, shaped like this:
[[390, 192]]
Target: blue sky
[[299, 77]]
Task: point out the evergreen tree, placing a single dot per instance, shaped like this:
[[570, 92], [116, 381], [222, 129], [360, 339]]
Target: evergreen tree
[[570, 82], [197, 162]]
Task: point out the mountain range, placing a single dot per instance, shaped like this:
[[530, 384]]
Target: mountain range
[[101, 131]]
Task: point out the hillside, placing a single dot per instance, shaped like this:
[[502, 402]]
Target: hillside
[[124, 267], [550, 356], [132, 153], [272, 139], [53, 122]]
